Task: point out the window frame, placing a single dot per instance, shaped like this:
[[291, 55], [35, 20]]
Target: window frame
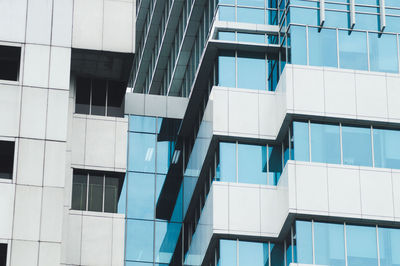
[[21, 58]]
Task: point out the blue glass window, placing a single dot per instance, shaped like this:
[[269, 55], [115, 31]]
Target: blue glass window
[[367, 21], [357, 146], [177, 214], [329, 244], [252, 164], [227, 13], [122, 198], [142, 124], [189, 184], [361, 246], [383, 52], [298, 48], [166, 237], [255, 3], [277, 257], [392, 3], [251, 71], [141, 195], [226, 35], [275, 163], [139, 240], [353, 50], [304, 243], [164, 155], [389, 246], [227, 251], [325, 143], [387, 148], [300, 141], [253, 253], [250, 15], [392, 23], [307, 16], [142, 152], [336, 19], [226, 170], [227, 69], [322, 47], [249, 37]]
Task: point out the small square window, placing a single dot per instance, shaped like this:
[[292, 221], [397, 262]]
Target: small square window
[[6, 159], [10, 57], [3, 254]]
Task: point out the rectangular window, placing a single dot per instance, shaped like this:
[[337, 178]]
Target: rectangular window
[[96, 191], [383, 52], [304, 245], [251, 70], [361, 245], [329, 244], [6, 159], [252, 161], [323, 47], [325, 143], [357, 147], [3, 254], [10, 58], [301, 143], [99, 97], [387, 148], [353, 50]]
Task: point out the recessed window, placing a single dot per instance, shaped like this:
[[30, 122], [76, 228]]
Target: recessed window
[[6, 159], [3, 254], [96, 191], [99, 97], [9, 62]]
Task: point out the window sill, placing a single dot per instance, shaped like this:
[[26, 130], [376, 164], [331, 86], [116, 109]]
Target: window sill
[[97, 214]]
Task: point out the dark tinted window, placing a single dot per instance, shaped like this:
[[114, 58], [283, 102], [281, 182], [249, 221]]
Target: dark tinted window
[[116, 92], [9, 62], [3, 254], [99, 97], [82, 105], [6, 159]]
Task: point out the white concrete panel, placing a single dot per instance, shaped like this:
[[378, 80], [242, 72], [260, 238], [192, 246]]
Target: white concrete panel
[[54, 164], [73, 240], [36, 68], [376, 196], [155, 105], [6, 209], [311, 188], [78, 140], [52, 214], [272, 211], [27, 213], [244, 208], [344, 191], [393, 94], [118, 242], [121, 145], [49, 254], [219, 98], [24, 253], [176, 107], [371, 95], [33, 114], [96, 241], [118, 26], [60, 66], [267, 114], [88, 24], [13, 20], [340, 92], [30, 162], [57, 115], [220, 212], [100, 143], [396, 193], [243, 112], [308, 92], [9, 109], [38, 26], [62, 23]]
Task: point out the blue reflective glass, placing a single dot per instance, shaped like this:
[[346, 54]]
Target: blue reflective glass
[[361, 246], [226, 170], [251, 71], [322, 47], [289, 252], [122, 198], [142, 124], [160, 179], [353, 50], [392, 3], [227, 13], [226, 35], [325, 143], [139, 240], [249, 37], [329, 244], [382, 52], [304, 3], [367, 21], [177, 213], [255, 3], [226, 2], [389, 246], [305, 16], [252, 160], [304, 242], [141, 195], [392, 24], [141, 152], [274, 163], [135, 263], [387, 148], [298, 47], [164, 149], [250, 15], [227, 69], [166, 237], [300, 141], [189, 184], [227, 252], [357, 146], [277, 255], [253, 253]]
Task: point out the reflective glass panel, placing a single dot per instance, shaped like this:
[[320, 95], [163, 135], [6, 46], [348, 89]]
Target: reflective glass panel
[[382, 52], [227, 252], [304, 242], [122, 197], [357, 146], [226, 35], [387, 148], [389, 246], [277, 255], [325, 143], [166, 237], [253, 253], [226, 170], [248, 37], [227, 13], [139, 240], [142, 152], [251, 72], [322, 47], [99, 88], [255, 3], [142, 124], [298, 47], [300, 141], [336, 19], [227, 69], [79, 191], [163, 156], [329, 244], [95, 192], [392, 23], [111, 194], [141, 189], [361, 246], [250, 15], [252, 160], [275, 163], [306, 16], [367, 21], [353, 50]]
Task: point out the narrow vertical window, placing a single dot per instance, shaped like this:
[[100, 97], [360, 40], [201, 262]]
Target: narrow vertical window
[[3, 254], [10, 58], [6, 159], [82, 98]]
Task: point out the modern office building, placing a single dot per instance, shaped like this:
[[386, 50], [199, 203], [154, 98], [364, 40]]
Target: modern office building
[[200, 132]]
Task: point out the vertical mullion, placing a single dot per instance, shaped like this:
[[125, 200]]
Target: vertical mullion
[[312, 241], [268, 175], [87, 193], [104, 191], [377, 246], [237, 162], [345, 243], [309, 140], [368, 53], [372, 147], [341, 143]]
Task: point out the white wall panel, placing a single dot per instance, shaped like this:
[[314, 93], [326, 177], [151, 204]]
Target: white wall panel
[[78, 140], [243, 112], [13, 20], [38, 28], [6, 209], [52, 214], [308, 93], [393, 94], [33, 113], [118, 241], [396, 193], [73, 239], [36, 67], [121, 144], [24, 253], [220, 211], [60, 65], [220, 109], [49, 254], [9, 109], [54, 165], [62, 23], [57, 115], [30, 162]]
